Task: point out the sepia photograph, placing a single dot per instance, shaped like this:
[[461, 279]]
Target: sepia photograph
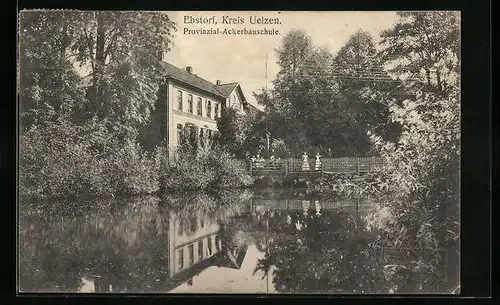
[[239, 152]]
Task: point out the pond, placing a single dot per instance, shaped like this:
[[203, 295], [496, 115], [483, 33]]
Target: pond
[[235, 242]]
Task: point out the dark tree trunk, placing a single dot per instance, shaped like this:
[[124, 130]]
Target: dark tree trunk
[[64, 42], [428, 76], [438, 76], [99, 63]]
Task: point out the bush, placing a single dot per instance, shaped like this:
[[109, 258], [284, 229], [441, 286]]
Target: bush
[[206, 169], [64, 160]]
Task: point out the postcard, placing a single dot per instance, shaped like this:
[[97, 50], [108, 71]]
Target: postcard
[[254, 152]]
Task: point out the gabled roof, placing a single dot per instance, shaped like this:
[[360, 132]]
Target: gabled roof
[[220, 259], [190, 79], [230, 261], [226, 89]]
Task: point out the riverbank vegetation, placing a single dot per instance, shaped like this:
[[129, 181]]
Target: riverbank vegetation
[[63, 161]]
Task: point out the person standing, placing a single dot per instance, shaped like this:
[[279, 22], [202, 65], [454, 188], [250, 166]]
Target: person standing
[[317, 165], [305, 162]]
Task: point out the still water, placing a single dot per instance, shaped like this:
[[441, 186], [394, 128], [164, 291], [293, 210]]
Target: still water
[[230, 243]]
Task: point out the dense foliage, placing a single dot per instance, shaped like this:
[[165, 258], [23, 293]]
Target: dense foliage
[[64, 160], [206, 169], [118, 51], [233, 128], [326, 103]]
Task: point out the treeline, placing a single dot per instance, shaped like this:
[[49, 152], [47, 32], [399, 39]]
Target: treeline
[[90, 109], [328, 103]]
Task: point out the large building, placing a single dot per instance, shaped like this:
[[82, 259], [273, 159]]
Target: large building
[[188, 106], [193, 104]]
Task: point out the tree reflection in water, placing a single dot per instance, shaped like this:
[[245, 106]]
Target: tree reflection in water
[[332, 252], [314, 252]]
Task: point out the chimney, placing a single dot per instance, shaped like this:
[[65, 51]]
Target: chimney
[[218, 82], [189, 69]]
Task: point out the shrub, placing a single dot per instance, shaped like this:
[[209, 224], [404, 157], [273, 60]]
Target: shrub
[[206, 169], [64, 160]]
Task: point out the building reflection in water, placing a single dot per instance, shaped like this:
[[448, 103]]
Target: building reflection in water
[[211, 245], [194, 245]]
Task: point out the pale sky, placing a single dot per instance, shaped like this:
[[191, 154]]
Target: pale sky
[[242, 58]]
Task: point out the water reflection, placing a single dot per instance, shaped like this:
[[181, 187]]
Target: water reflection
[[231, 243]]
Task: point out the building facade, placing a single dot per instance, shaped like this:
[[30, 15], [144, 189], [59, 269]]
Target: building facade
[[193, 104]]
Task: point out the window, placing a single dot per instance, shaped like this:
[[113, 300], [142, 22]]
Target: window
[[200, 249], [179, 134], [179, 100], [210, 246], [191, 254], [181, 258], [210, 134], [216, 110], [190, 103], [202, 139], [217, 242], [194, 224], [181, 228], [199, 107], [193, 134], [209, 109]]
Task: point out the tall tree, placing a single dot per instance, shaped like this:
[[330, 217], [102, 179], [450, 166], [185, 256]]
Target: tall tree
[[425, 42], [366, 85], [119, 50], [306, 106], [234, 129], [48, 83]]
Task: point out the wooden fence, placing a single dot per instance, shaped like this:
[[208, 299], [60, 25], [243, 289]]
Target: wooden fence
[[328, 165]]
